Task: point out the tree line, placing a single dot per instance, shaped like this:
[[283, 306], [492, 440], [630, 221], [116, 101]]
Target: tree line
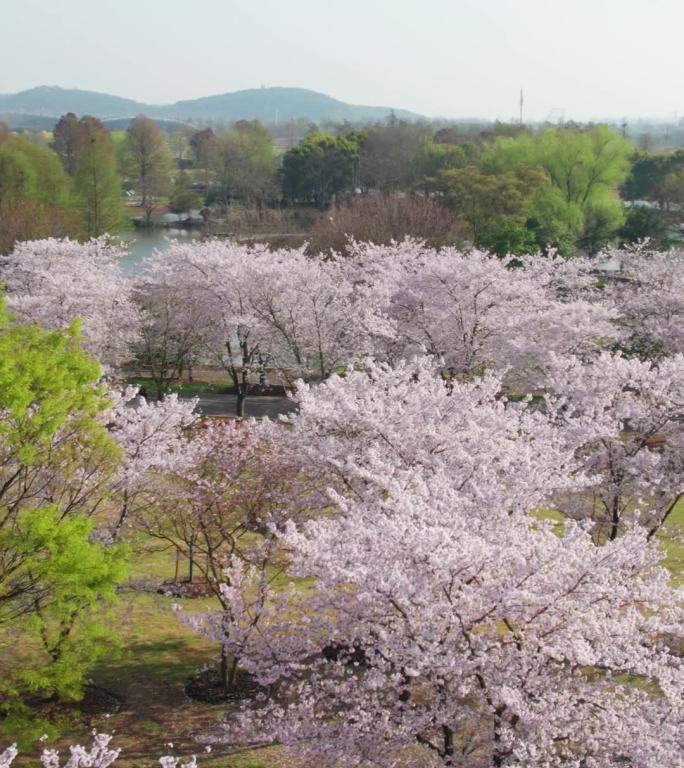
[[510, 189]]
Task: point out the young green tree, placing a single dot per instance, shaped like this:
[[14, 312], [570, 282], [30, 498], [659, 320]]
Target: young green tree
[[56, 464], [147, 161], [17, 174]]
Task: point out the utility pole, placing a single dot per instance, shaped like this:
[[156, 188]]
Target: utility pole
[[521, 106]]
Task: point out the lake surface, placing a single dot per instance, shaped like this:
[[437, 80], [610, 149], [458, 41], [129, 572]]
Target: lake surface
[[142, 242]]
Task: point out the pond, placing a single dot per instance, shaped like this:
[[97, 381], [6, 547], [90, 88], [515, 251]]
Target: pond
[[142, 242]]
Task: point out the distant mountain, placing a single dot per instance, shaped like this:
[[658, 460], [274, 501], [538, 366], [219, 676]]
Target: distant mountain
[[265, 104], [55, 101], [276, 104]]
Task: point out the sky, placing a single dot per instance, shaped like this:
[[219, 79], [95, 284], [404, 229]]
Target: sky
[[576, 59]]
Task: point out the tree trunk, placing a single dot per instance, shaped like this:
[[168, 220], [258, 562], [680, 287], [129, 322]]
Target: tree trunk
[[615, 520], [191, 558], [240, 406], [448, 745], [223, 668], [232, 674], [228, 672]]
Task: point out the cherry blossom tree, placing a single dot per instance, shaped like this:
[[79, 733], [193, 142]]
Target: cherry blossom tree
[[171, 324], [98, 756], [156, 440], [247, 309], [217, 280], [222, 512], [625, 416], [444, 624], [53, 282], [317, 319], [476, 311], [364, 429], [649, 294]]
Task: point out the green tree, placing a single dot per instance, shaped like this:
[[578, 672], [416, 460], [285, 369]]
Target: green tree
[[243, 164], [670, 190], [481, 199], [603, 218], [319, 169], [29, 171], [35, 193], [584, 167], [506, 236], [648, 173], [642, 222], [580, 164], [183, 196], [67, 137], [147, 161], [388, 157], [97, 186], [554, 221], [18, 178], [56, 465]]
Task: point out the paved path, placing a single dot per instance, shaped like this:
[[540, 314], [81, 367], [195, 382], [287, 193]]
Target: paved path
[[258, 406]]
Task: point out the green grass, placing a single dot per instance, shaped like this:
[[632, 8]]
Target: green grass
[[672, 541], [184, 388]]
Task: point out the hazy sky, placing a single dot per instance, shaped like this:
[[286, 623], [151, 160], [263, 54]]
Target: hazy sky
[[589, 58]]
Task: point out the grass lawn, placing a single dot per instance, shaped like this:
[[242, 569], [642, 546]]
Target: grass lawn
[[672, 538], [186, 388]]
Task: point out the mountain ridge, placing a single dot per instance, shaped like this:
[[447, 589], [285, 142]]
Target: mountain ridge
[[266, 104]]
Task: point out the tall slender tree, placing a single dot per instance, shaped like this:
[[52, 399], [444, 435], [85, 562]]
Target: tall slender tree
[[147, 161]]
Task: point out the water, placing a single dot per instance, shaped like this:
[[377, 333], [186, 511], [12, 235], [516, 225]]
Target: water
[[142, 242]]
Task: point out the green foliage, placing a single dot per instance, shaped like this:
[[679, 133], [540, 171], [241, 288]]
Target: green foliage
[[56, 465], [641, 223], [584, 169], [29, 171], [554, 221], [77, 579], [243, 162], [18, 177], [648, 173], [183, 197], [483, 199], [45, 380], [320, 168], [603, 218], [670, 191], [96, 184], [506, 236]]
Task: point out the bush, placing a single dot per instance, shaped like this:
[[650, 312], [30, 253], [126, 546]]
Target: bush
[[28, 220], [382, 218]]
